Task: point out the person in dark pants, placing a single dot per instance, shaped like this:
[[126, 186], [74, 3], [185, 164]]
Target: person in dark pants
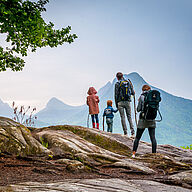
[[143, 123]]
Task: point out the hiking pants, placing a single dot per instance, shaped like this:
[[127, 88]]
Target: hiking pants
[[152, 137], [109, 122], [95, 117], [125, 105]]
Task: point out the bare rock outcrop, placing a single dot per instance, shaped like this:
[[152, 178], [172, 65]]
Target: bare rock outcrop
[[88, 149], [16, 139], [99, 185]]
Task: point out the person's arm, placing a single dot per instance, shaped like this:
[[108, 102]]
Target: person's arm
[[140, 103], [104, 114], [114, 110], [132, 90], [116, 94], [97, 99], [87, 100]]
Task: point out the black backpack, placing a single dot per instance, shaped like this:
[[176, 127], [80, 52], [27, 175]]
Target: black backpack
[[125, 90], [151, 105]]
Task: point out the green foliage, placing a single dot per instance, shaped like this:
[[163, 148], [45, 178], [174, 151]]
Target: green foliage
[[187, 147], [44, 143], [26, 30]]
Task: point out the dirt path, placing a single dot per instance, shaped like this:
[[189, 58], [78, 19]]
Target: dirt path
[[14, 170]]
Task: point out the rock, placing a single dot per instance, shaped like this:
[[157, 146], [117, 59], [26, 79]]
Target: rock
[[92, 185], [163, 162], [81, 149], [72, 165], [16, 139], [133, 165], [181, 178], [97, 148]]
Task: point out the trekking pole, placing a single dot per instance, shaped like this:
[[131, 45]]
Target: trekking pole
[[103, 123], [134, 103], [160, 116], [88, 121]]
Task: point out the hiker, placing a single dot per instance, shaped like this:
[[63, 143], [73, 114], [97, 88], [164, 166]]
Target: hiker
[[144, 123], [123, 92], [92, 102], [108, 112]]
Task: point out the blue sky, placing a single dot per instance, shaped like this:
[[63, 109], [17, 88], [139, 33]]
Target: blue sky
[[151, 37]]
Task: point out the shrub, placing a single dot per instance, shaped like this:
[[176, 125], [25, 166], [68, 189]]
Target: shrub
[[187, 147]]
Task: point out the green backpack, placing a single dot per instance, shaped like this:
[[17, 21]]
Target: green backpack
[[151, 105]]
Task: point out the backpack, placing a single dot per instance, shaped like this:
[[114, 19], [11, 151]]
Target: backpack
[[151, 105], [125, 90], [108, 111]]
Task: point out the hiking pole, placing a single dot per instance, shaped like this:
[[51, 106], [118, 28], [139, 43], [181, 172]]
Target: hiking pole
[[103, 123], [88, 121], [160, 116], [134, 103]]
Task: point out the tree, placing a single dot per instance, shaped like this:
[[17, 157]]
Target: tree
[[26, 30]]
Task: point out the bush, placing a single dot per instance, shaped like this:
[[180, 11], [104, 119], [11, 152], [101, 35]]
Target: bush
[[187, 147]]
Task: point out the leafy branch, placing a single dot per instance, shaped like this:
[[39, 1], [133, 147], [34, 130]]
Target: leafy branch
[[26, 30]]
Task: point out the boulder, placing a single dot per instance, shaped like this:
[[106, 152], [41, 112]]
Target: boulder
[[16, 139]]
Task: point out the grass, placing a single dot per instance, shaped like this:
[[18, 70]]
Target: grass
[[187, 147]]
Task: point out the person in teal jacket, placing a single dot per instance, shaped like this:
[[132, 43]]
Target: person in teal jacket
[[108, 112]]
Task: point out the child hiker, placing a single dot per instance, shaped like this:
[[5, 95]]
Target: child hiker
[[92, 102], [108, 112]]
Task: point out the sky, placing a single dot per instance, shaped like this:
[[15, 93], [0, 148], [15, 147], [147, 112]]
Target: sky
[[150, 37]]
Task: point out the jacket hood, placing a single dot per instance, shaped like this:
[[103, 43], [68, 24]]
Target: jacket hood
[[91, 91]]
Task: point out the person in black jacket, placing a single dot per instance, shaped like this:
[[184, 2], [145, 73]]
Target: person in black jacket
[[144, 123]]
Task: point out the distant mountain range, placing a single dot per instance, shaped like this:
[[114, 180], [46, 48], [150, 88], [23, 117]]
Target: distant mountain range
[[175, 129], [5, 110]]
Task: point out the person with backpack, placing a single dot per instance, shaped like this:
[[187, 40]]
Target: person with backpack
[[147, 106], [108, 112], [123, 92], [92, 102]]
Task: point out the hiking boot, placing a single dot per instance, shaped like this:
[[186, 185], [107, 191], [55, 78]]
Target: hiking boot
[[133, 156], [132, 136]]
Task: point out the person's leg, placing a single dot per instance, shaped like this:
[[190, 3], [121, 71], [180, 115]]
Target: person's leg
[[128, 113], [93, 120], [137, 138], [110, 122], [122, 115], [97, 120], [111, 127], [153, 140], [108, 127]]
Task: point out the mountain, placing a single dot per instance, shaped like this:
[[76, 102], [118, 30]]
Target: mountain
[[57, 112], [175, 129], [5, 110]]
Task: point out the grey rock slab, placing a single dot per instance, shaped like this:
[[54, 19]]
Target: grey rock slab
[[134, 165], [152, 186], [70, 142], [183, 177], [95, 185]]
